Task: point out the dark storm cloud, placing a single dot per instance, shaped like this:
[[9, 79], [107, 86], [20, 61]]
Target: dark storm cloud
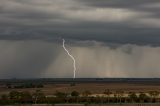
[[115, 21], [108, 38], [137, 5], [117, 3]]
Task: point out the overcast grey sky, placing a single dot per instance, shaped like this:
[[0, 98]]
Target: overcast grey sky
[[111, 38]]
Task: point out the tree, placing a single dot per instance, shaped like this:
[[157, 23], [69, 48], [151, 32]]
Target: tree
[[74, 93], [14, 95], [86, 93], [143, 97], [25, 97], [153, 95], [119, 95], [107, 92], [115, 97], [38, 96], [133, 96], [4, 99], [60, 94]]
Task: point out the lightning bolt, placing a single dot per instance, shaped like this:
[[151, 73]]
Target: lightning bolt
[[74, 62]]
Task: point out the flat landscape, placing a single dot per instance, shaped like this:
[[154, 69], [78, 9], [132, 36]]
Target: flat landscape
[[94, 92], [127, 104], [95, 87]]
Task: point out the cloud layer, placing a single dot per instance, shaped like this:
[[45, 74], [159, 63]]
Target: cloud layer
[[108, 38], [135, 22]]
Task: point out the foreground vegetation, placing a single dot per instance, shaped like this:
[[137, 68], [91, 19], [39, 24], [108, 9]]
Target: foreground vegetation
[[38, 97]]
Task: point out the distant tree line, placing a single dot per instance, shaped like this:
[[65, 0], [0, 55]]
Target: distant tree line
[[25, 85], [38, 97]]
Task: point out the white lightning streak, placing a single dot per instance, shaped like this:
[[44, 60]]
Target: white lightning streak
[[74, 62]]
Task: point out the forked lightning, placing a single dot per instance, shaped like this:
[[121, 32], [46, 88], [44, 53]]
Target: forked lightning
[[74, 62]]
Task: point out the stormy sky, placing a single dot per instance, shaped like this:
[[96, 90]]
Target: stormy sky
[[108, 38]]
